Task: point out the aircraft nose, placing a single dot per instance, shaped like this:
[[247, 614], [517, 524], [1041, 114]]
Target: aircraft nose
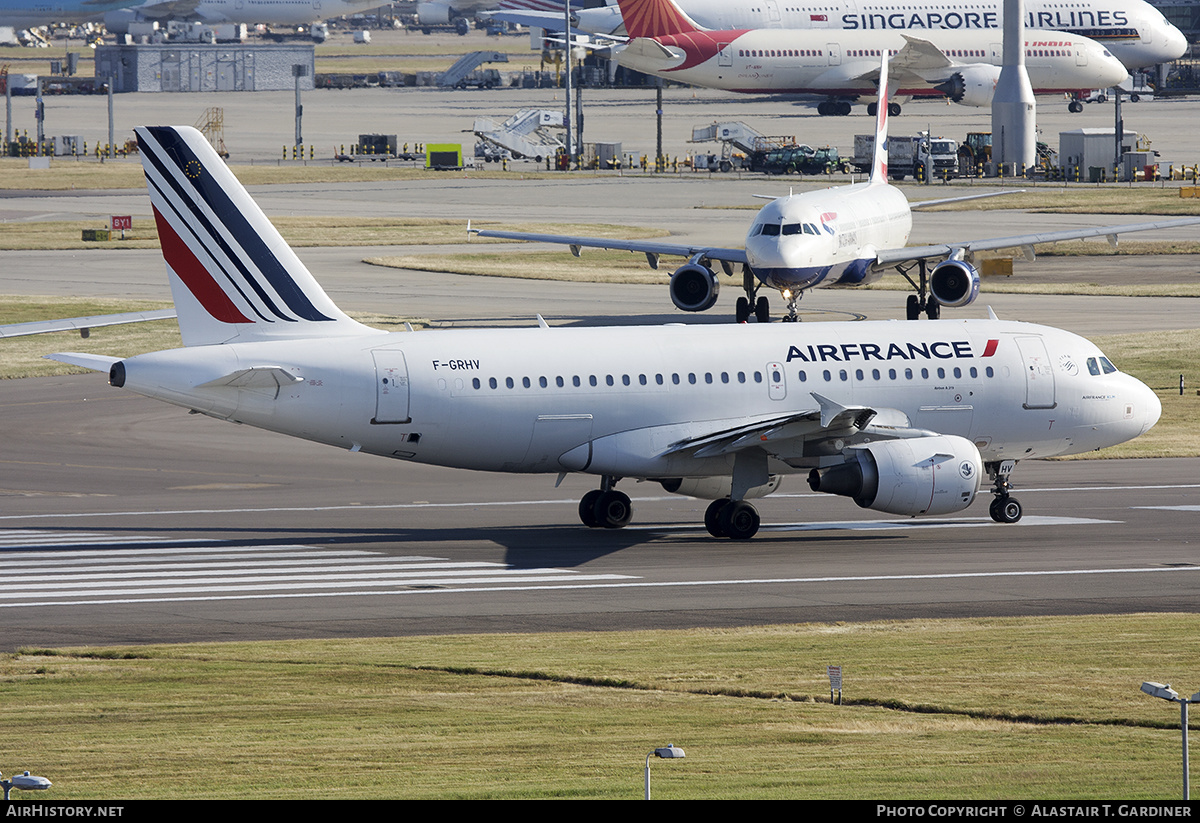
[[1177, 44], [1151, 406], [1114, 71]]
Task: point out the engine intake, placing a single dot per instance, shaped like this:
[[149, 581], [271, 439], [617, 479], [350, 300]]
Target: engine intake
[[694, 287], [922, 475], [973, 85], [954, 283]]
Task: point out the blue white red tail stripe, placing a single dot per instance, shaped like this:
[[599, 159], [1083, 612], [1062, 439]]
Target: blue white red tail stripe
[[233, 276]]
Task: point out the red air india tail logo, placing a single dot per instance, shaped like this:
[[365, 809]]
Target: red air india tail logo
[[654, 18]]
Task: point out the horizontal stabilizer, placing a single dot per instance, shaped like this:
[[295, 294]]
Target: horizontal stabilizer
[[257, 377], [82, 323], [95, 362]]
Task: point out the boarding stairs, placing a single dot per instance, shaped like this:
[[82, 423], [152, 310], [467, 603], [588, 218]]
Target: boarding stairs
[[526, 134]]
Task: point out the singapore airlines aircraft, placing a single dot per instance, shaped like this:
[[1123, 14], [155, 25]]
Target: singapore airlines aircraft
[[962, 65], [902, 417], [24, 14], [841, 236], [1134, 31], [271, 12]]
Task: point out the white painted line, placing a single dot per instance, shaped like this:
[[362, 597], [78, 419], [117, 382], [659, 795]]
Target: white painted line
[[580, 583]]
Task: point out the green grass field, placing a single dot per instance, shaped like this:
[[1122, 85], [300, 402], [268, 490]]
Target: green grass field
[[964, 709]]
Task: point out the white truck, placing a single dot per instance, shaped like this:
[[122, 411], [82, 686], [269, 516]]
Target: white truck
[[907, 155]]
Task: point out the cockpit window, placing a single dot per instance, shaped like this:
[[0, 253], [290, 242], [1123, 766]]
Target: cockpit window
[[790, 229], [1098, 365], [1108, 367], [1093, 367], [770, 229], [810, 228]]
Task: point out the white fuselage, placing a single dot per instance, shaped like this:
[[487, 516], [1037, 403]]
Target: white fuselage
[[840, 62], [270, 12], [827, 237], [614, 401], [1134, 31]]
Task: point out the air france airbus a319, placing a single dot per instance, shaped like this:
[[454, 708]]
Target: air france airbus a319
[[901, 417]]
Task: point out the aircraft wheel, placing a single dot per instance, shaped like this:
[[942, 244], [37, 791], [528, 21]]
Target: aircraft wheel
[[1005, 510], [739, 520], [712, 516], [933, 309], [894, 109], [872, 109], [844, 108], [1075, 107], [614, 510], [743, 310], [587, 508], [1134, 97], [913, 310], [762, 310]]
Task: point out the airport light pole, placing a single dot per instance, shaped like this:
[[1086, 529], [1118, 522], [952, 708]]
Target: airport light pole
[[26, 781], [669, 752], [1164, 691], [299, 70]]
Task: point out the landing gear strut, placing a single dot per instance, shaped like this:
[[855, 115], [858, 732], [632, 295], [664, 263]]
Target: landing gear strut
[[761, 306], [922, 302], [606, 507], [1004, 508]]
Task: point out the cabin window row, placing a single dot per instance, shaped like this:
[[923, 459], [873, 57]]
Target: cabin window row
[[781, 52], [595, 381], [895, 374]]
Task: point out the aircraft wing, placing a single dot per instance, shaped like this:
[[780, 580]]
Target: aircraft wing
[[168, 8], [650, 248], [82, 324], [827, 419], [919, 55], [890, 257]]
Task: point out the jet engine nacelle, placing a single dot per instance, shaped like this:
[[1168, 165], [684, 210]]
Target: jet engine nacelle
[[973, 85], [922, 475], [954, 283], [715, 488], [118, 20], [694, 287], [434, 14]]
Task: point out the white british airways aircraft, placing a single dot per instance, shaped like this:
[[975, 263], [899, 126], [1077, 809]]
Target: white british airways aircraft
[[843, 236], [902, 417]]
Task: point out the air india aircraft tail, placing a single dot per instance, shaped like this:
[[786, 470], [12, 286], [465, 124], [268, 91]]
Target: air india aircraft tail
[[233, 277], [656, 18]]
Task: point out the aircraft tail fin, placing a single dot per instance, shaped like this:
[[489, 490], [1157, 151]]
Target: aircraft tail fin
[[879, 162], [655, 18], [233, 277]]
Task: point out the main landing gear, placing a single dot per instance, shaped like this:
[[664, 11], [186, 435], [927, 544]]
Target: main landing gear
[[762, 308], [735, 519], [606, 507], [1004, 508], [893, 109], [922, 302]]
